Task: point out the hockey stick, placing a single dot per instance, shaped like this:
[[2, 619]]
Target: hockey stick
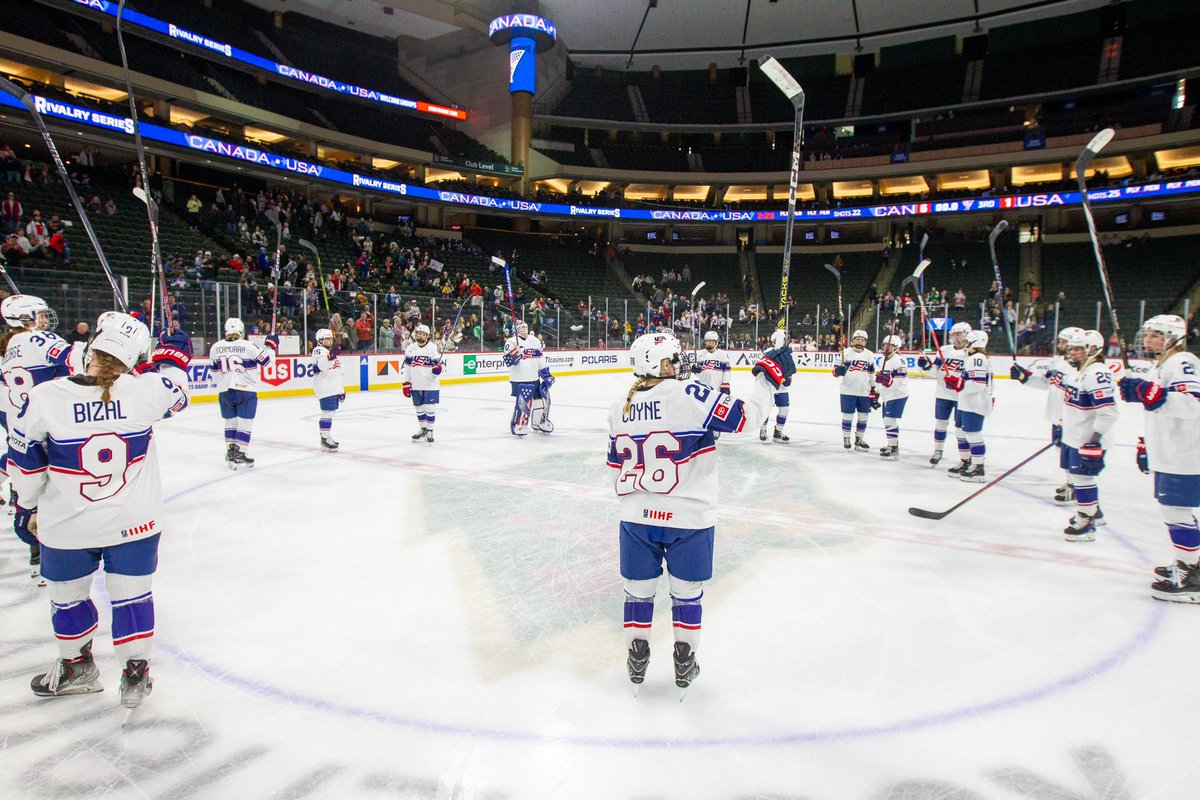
[[1001, 226], [915, 280], [924, 514], [696, 322], [8, 279], [837, 274], [305, 243], [1097, 144], [27, 100], [788, 85], [277, 270], [151, 206], [448, 331]]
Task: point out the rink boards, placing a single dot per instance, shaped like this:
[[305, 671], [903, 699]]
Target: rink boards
[[290, 376]]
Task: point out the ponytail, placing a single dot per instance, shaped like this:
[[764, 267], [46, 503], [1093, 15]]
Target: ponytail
[[106, 369], [6, 336], [632, 390]]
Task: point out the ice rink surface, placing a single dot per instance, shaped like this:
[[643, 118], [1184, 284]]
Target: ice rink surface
[[401, 620]]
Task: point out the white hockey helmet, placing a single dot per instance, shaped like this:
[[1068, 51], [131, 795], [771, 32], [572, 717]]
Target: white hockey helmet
[[323, 335], [1065, 336], [976, 340], [647, 352], [121, 336], [960, 330], [712, 336], [860, 334], [235, 325], [422, 329], [778, 338], [893, 341], [22, 310], [1088, 342], [522, 328], [1172, 328]]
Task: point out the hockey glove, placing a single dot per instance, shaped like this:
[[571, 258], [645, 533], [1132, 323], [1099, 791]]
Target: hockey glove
[[954, 382], [272, 342], [696, 369], [776, 365], [176, 339], [884, 379], [783, 357], [1136, 390], [839, 370], [437, 368], [547, 378], [334, 352], [1091, 458], [511, 359], [924, 363], [1056, 434], [873, 396], [167, 355], [25, 524], [1143, 458], [407, 389], [342, 397], [1019, 373]]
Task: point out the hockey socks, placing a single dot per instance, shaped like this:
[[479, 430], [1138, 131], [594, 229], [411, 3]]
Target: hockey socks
[[132, 615], [1184, 532], [639, 614], [685, 618]]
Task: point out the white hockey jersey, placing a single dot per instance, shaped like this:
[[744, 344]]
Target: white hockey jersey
[[1051, 380], [1173, 430], [860, 372], [1089, 402], [419, 361], [948, 360], [32, 358], [329, 380], [90, 467], [664, 452], [526, 358], [976, 394], [714, 368], [895, 367], [235, 364]]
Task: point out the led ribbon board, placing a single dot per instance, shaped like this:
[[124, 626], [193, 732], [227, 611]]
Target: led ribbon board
[[214, 47], [59, 110]]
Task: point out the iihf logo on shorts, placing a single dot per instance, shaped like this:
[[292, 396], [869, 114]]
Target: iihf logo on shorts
[[650, 513]]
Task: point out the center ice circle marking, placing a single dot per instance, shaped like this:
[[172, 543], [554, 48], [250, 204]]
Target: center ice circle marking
[[1139, 639]]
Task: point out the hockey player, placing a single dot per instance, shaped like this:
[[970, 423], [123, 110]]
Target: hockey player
[[329, 385], [422, 369], [1051, 381], [712, 364], [33, 354], [1171, 397], [235, 363], [530, 380], [892, 379], [947, 361], [857, 373], [972, 383], [86, 471], [662, 448], [1089, 412], [783, 398]]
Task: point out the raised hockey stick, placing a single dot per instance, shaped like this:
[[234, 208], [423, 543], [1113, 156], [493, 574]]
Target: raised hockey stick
[[8, 279], [788, 85], [28, 101], [1001, 226], [696, 322], [1097, 144], [305, 243], [277, 270], [838, 274], [925, 514], [448, 331], [915, 280], [156, 267]]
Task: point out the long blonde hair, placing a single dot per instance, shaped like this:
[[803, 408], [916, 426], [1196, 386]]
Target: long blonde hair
[[105, 369], [6, 336], [637, 386]]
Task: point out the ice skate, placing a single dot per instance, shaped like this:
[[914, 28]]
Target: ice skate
[[762, 433], [1065, 494], [963, 466], [12, 500], [230, 449], [1182, 585], [1080, 528], [686, 668], [420, 435], [973, 474], [780, 437], [328, 445], [890, 452], [35, 560], [846, 442], [1169, 571], [136, 682], [861, 444], [239, 460], [637, 661], [429, 435], [1099, 519], [69, 676], [936, 458]]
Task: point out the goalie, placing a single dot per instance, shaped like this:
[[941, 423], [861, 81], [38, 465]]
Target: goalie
[[530, 381]]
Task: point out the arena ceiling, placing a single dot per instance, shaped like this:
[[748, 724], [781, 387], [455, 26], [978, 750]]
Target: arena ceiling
[[690, 34]]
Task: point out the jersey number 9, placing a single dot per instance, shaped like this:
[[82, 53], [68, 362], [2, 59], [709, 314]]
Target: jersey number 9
[[104, 456], [646, 466]]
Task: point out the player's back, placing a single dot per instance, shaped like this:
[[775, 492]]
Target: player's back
[[102, 480], [1173, 431], [976, 394], [235, 364]]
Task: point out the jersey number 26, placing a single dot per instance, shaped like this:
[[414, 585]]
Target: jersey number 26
[[646, 466]]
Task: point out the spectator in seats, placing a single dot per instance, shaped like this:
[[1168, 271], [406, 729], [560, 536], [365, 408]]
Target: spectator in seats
[[80, 333], [364, 327], [10, 164], [14, 251], [386, 337], [94, 205], [960, 300], [60, 250], [398, 331], [110, 207], [11, 212], [1061, 302], [38, 233], [194, 206]]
